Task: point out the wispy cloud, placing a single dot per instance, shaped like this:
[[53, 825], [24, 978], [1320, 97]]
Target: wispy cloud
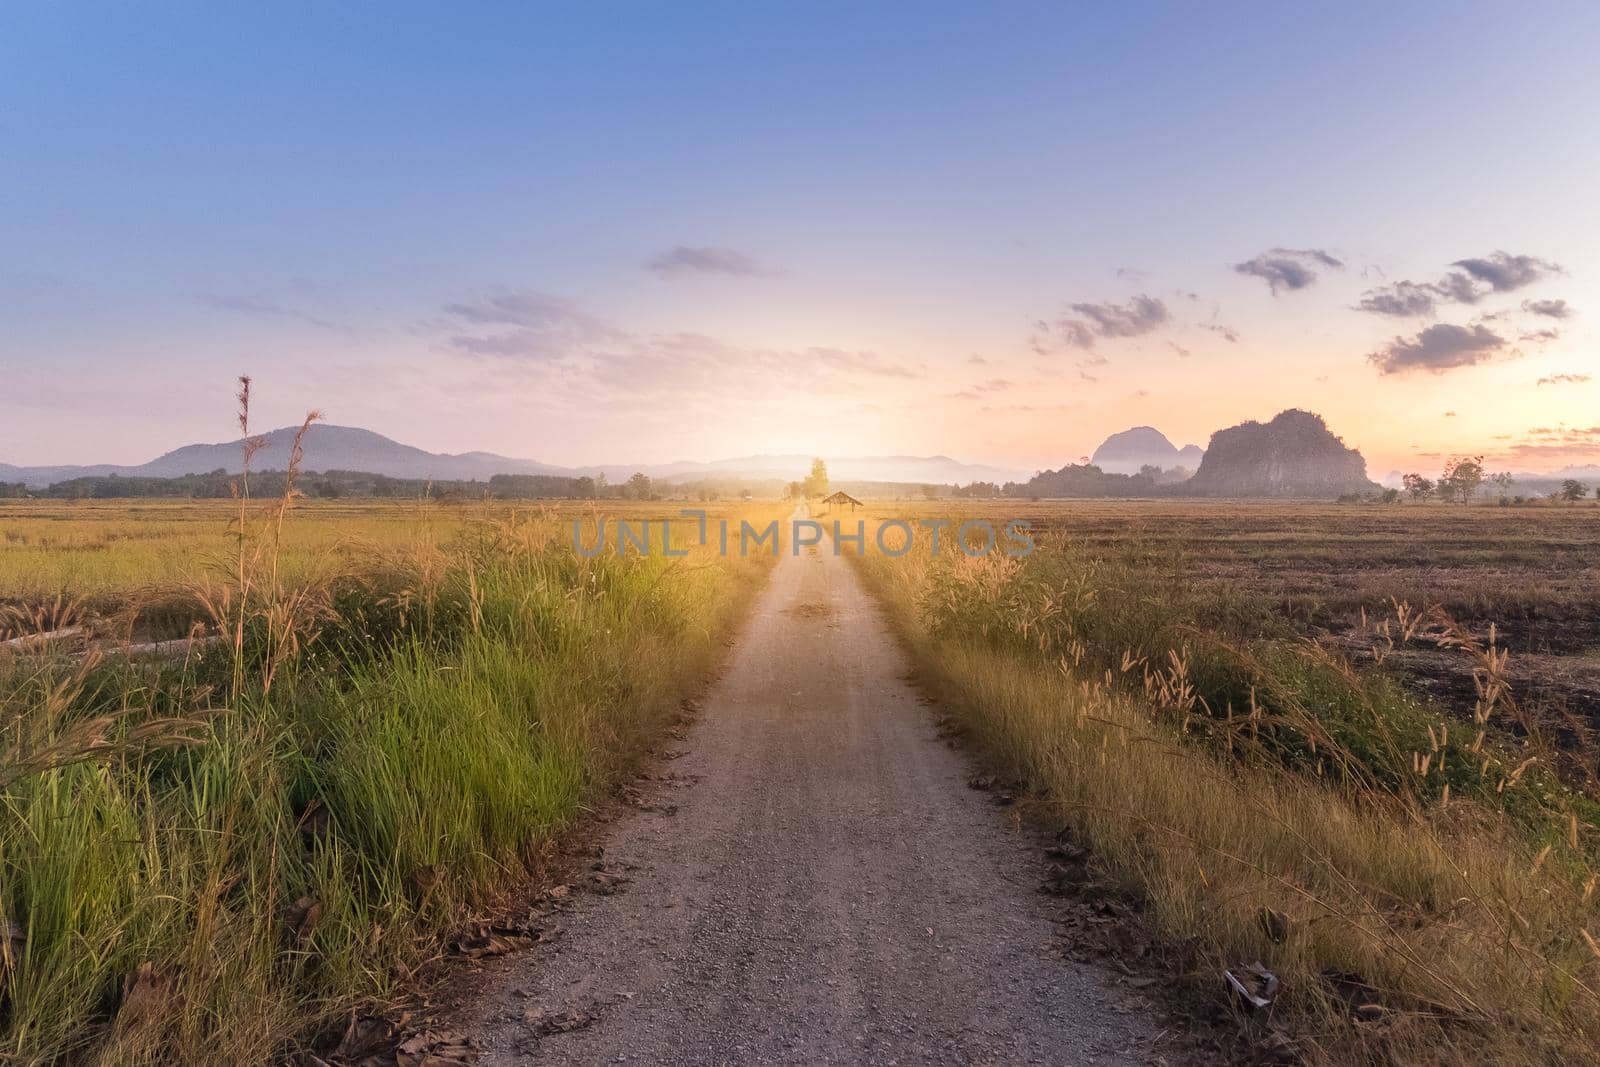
[[257, 307], [976, 392], [1139, 316], [1403, 299], [683, 261], [1565, 379], [523, 324], [570, 355], [1439, 348], [1288, 268], [1555, 444]]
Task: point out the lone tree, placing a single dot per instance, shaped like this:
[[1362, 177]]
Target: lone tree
[[816, 483], [1573, 490], [638, 487], [1461, 479], [1419, 487]]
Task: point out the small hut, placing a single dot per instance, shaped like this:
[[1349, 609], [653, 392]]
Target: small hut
[[841, 498]]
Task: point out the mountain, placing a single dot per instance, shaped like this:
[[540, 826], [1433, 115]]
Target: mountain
[[350, 448], [1143, 446], [326, 448], [346, 448], [1294, 455]]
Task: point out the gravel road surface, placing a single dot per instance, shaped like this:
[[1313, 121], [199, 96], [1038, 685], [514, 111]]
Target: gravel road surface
[[812, 881]]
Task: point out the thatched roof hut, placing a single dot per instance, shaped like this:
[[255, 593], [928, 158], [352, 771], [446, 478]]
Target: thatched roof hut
[[841, 498]]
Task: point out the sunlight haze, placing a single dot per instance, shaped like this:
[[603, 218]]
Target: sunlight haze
[[621, 237]]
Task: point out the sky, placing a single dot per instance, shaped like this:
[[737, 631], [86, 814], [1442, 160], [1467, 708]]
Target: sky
[[646, 232]]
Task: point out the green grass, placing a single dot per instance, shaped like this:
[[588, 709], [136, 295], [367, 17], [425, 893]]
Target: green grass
[[409, 766]]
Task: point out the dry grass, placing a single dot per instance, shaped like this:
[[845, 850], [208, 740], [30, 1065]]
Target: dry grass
[[1316, 830]]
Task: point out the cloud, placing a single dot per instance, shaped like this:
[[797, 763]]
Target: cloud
[[1418, 299], [1565, 379], [1540, 337], [1555, 444], [1552, 309], [1402, 299], [1085, 324], [537, 345], [1288, 268], [859, 362], [1137, 317], [525, 324], [1498, 272], [1439, 348], [1075, 334], [1504, 272], [522, 343], [683, 261], [265, 309], [529, 309]]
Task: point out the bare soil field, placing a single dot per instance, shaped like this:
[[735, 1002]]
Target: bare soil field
[[1330, 570]]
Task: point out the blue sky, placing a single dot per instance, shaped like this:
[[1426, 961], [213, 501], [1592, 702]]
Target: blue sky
[[440, 222]]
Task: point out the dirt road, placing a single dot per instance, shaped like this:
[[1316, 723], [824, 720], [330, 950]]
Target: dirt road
[[827, 889]]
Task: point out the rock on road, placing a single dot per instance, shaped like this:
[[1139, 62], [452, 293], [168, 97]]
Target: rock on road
[[828, 890]]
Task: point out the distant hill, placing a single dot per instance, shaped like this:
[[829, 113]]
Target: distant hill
[[1143, 446], [1082, 480], [1294, 455], [346, 448], [349, 448]]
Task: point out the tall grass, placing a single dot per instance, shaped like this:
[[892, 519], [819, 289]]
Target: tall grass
[[1422, 886], [217, 860]]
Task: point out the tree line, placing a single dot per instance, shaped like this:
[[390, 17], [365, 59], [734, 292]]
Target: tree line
[[1464, 477], [337, 484]]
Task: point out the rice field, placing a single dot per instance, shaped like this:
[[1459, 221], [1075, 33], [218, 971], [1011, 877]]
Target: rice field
[[1350, 742], [391, 716]]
